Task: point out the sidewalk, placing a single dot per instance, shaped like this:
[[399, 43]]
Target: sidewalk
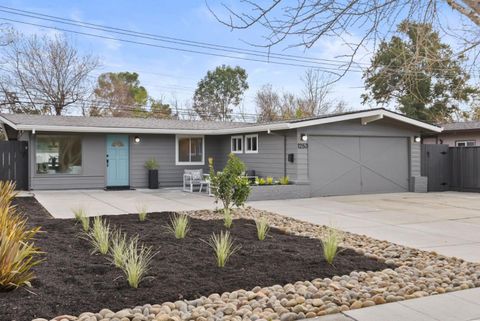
[[454, 306]]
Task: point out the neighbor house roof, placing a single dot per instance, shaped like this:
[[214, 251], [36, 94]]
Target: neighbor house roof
[[164, 126], [462, 126]]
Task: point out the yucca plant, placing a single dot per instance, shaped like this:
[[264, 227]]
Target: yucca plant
[[18, 255], [142, 212], [137, 262], [262, 228], [118, 248], [223, 247], [330, 242], [99, 235], [179, 225]]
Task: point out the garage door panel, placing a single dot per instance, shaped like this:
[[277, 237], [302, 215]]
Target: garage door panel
[[385, 164], [354, 165]]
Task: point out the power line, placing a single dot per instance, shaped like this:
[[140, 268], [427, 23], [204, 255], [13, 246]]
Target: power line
[[36, 15], [335, 71]]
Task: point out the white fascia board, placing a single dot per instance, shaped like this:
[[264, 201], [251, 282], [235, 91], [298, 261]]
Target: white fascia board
[[367, 114], [369, 119], [9, 123]]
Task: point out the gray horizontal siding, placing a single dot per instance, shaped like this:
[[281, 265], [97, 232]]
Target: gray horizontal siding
[[162, 148]]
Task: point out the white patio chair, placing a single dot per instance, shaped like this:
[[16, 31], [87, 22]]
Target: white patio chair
[[193, 177]]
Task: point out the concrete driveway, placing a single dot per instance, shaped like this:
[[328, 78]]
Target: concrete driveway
[[100, 202], [448, 222]]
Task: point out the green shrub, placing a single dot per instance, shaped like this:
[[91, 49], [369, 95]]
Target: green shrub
[[261, 181], [179, 225], [230, 186], [142, 212], [99, 235], [284, 180], [151, 164], [118, 249], [223, 247], [18, 254], [331, 239], [269, 180], [137, 262], [262, 228]]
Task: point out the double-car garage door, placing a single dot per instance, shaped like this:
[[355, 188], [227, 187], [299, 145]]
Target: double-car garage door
[[343, 165]]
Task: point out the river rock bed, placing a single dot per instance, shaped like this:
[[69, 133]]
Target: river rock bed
[[417, 274]]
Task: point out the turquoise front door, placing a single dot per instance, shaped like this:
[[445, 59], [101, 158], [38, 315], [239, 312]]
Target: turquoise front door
[[117, 160]]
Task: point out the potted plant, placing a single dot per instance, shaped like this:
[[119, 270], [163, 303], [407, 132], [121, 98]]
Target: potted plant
[[152, 166]]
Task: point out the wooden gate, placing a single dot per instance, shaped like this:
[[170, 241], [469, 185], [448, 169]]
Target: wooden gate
[[436, 166], [14, 163]]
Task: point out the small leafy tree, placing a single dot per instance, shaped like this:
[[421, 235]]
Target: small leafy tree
[[230, 186]]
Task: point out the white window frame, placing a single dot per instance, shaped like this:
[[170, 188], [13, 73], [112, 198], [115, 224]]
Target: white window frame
[[177, 139], [232, 138], [466, 143], [258, 144]]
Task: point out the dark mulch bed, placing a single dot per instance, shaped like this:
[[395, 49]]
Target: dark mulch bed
[[72, 281]]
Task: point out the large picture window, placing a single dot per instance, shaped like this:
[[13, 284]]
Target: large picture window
[[58, 154], [190, 150]]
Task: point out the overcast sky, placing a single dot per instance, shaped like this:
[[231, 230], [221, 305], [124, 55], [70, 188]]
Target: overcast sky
[[166, 73]]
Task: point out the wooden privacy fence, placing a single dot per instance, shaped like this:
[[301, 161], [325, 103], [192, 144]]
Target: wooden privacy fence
[[451, 168], [14, 162]]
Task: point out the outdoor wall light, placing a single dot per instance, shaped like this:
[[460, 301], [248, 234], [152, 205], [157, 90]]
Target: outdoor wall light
[[136, 139], [417, 139], [303, 137]]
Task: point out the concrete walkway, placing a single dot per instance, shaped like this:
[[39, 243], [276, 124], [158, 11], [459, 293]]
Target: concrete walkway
[[454, 306], [99, 202], [448, 222]]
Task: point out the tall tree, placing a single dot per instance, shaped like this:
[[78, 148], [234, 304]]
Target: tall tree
[[355, 23], [158, 109], [419, 73], [44, 74], [219, 92], [119, 94]]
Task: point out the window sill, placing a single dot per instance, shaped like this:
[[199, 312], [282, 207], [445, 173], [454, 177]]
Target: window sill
[[189, 163], [237, 152], [251, 152]]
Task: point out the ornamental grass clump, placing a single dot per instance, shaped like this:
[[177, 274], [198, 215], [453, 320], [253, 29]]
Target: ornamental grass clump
[[18, 254], [223, 247], [331, 239], [118, 248], [142, 212], [227, 219], [284, 180], [262, 228], [137, 262], [82, 218], [99, 235], [179, 225]]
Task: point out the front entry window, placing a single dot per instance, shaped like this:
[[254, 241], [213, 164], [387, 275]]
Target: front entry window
[[58, 154], [190, 150]]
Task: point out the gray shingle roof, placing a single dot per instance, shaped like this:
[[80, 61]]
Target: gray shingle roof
[[119, 122], [468, 125]]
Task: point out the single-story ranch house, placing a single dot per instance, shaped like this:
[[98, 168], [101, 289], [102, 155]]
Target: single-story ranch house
[[369, 151]]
